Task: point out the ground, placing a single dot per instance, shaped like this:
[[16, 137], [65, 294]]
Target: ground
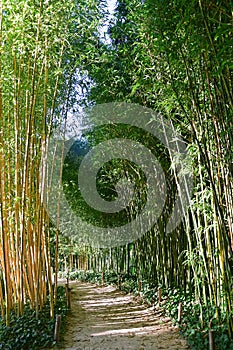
[[104, 318]]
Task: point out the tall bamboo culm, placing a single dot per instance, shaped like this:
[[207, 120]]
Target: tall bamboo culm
[[34, 39]]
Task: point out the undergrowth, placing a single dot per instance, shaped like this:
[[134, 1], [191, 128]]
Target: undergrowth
[[194, 329], [27, 332]]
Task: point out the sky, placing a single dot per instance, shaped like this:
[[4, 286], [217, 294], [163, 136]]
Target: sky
[[111, 5], [103, 29]]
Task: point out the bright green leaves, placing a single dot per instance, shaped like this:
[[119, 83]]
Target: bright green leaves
[[43, 44], [176, 57]]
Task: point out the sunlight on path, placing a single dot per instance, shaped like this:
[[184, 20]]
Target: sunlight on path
[[104, 318]]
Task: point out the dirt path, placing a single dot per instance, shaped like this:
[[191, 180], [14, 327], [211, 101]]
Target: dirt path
[[104, 318]]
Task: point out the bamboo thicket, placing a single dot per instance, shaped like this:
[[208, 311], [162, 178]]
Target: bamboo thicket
[[38, 43], [176, 57]]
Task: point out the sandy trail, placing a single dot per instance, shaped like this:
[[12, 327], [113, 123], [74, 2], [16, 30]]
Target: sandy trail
[[103, 318]]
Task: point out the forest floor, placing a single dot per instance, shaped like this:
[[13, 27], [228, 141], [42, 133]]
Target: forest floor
[[104, 318]]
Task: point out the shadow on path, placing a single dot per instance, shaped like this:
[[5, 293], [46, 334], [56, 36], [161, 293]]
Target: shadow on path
[[103, 318]]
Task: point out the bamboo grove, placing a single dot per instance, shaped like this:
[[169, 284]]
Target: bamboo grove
[[171, 56], [176, 57], [40, 45]]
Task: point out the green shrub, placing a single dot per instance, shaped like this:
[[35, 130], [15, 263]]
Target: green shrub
[[196, 331], [27, 332]]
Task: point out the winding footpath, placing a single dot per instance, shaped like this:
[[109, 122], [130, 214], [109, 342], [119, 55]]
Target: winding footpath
[[104, 318]]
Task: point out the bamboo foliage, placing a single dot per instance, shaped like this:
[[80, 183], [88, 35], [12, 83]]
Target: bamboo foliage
[[201, 80], [177, 58], [36, 40]]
